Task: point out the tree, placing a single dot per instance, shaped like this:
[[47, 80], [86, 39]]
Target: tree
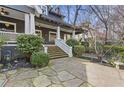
[[117, 21], [103, 14]]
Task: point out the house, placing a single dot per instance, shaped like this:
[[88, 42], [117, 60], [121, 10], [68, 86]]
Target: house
[[37, 20]]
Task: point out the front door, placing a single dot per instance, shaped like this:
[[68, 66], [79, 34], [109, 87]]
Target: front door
[[52, 37]]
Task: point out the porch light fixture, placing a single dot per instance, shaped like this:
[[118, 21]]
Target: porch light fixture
[[3, 12], [7, 25]]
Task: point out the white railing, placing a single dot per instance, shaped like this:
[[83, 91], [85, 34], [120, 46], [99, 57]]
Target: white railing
[[61, 44], [45, 48], [10, 36]]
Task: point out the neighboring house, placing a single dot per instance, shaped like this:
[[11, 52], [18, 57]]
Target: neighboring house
[[36, 19]]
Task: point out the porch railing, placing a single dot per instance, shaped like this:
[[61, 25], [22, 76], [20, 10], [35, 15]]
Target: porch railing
[[9, 36], [61, 44]]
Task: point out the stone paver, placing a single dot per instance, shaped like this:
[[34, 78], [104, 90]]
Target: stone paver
[[25, 75], [56, 85], [73, 83], [65, 72], [2, 82], [86, 84], [41, 81], [49, 72], [22, 83], [11, 72], [64, 76], [2, 76], [54, 80]]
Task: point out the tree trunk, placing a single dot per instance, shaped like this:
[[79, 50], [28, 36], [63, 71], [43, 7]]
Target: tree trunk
[[28, 56], [106, 34]]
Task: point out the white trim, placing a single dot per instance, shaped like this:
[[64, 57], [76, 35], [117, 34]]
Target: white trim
[[50, 33], [58, 32], [32, 23], [27, 24], [10, 23], [53, 27], [61, 44]]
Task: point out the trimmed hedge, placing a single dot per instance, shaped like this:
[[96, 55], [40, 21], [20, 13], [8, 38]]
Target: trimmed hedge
[[113, 50], [39, 59], [29, 43], [72, 42], [116, 48], [79, 50]]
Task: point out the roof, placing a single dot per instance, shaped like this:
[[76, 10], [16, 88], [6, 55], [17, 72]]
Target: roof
[[55, 12], [21, 8], [57, 21]]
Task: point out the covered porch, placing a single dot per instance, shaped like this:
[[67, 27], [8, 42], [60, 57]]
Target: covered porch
[[14, 21]]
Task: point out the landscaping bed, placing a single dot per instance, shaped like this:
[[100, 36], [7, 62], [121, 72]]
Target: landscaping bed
[[94, 59], [12, 65]]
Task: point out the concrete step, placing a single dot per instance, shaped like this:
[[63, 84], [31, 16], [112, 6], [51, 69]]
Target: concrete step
[[55, 57], [55, 52]]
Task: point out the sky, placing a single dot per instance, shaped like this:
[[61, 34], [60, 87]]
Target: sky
[[83, 15]]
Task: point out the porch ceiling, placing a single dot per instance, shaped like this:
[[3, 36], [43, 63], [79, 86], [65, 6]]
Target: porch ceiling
[[13, 13], [53, 27]]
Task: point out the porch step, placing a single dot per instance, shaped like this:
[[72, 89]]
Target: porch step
[[55, 52]]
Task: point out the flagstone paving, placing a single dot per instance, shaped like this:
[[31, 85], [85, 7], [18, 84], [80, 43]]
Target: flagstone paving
[[64, 72]]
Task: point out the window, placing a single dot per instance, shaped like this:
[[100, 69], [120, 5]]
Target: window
[[52, 36], [38, 32], [7, 26]]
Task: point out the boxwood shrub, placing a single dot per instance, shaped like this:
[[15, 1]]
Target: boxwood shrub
[[79, 50], [113, 50], [72, 42], [39, 59]]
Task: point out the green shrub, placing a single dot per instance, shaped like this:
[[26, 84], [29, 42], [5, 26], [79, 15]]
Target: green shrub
[[116, 49], [121, 55], [90, 50], [28, 44], [99, 47], [72, 42], [85, 44], [39, 59], [79, 50], [2, 41], [113, 50]]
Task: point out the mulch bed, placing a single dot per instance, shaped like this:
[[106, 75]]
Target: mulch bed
[[15, 64]]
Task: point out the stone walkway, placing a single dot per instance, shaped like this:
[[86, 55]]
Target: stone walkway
[[64, 72]]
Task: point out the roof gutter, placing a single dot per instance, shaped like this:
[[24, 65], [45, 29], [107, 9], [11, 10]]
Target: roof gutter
[[21, 8]]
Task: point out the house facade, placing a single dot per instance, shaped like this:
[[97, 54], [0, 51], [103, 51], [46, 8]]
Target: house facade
[[37, 20]]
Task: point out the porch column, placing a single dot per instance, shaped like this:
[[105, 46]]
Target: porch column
[[27, 22], [58, 32], [32, 24], [83, 36], [73, 34]]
